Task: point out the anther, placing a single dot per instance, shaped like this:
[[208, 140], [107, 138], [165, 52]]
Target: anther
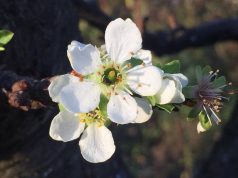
[[129, 65]]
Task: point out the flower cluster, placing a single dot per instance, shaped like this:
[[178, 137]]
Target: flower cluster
[[112, 83]]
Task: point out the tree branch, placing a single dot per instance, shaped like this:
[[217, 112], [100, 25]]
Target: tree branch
[[171, 41], [168, 42], [24, 92], [92, 13]]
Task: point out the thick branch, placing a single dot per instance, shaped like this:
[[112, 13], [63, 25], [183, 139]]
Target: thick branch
[[168, 42], [92, 13], [171, 41]]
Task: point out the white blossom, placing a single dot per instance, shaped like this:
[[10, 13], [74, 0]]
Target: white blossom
[[171, 89], [96, 143], [98, 72]]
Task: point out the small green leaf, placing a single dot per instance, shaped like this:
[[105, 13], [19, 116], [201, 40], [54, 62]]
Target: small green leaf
[[206, 70], [61, 107], [204, 120], [194, 113], [172, 67], [188, 91], [166, 107], [158, 65], [198, 73], [219, 81], [152, 100], [133, 62], [5, 36], [103, 105]]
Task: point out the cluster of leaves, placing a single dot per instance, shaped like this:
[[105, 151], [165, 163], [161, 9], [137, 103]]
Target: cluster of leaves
[[5, 37]]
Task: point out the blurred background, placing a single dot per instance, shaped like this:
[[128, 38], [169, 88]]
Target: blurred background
[[167, 146]]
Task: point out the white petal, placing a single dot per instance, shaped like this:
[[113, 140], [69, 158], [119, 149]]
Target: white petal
[[80, 97], [66, 127], [144, 55], [200, 128], [180, 82], [145, 81], [178, 97], [97, 144], [76, 44], [166, 92], [144, 110], [57, 83], [182, 78], [170, 92], [122, 108], [84, 59], [122, 38]]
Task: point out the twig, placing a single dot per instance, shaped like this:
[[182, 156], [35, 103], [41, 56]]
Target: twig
[[23, 92]]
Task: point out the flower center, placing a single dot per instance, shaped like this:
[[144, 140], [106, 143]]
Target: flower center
[[111, 76], [210, 93], [95, 116]]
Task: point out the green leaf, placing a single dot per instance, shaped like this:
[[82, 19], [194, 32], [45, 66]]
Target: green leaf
[[166, 107], [198, 73], [219, 81], [152, 100], [172, 67], [61, 107], [204, 120], [194, 113], [206, 70], [158, 65], [103, 105], [188, 91], [133, 62], [5, 36]]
